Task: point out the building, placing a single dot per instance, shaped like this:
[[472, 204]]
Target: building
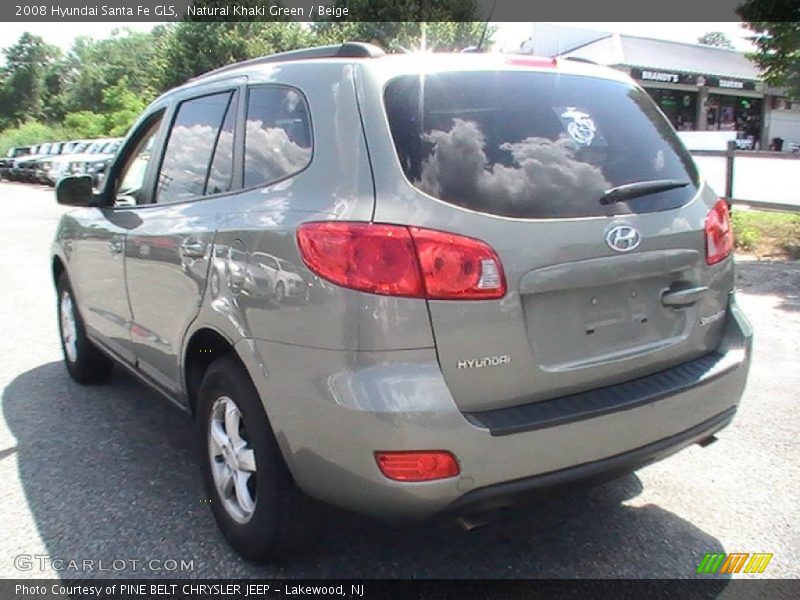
[[699, 88]]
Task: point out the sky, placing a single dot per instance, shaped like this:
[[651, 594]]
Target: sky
[[509, 35]]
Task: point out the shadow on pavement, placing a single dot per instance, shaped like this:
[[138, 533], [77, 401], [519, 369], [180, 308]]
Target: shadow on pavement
[[781, 279], [110, 472]]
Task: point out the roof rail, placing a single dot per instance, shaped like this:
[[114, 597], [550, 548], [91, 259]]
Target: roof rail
[[346, 50], [579, 59]]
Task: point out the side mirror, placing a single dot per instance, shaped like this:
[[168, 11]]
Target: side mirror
[[75, 191]]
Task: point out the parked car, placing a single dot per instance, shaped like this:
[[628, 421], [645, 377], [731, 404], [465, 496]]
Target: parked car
[[42, 164], [96, 167], [270, 276], [26, 166], [18, 167], [59, 167], [7, 163], [77, 162], [526, 282]]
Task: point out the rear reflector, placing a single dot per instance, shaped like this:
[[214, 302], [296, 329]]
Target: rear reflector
[[417, 466], [719, 233], [396, 260]]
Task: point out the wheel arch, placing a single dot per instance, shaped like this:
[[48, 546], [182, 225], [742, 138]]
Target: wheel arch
[[203, 347], [58, 268]]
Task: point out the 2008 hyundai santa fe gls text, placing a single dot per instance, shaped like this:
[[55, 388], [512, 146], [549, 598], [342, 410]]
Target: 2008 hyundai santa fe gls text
[[406, 285]]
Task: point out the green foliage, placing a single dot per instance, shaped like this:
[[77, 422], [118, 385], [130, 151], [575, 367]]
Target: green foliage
[[27, 133], [450, 25], [715, 38], [26, 74], [123, 106], [84, 124], [193, 48], [776, 27], [400, 36], [745, 232], [767, 234], [100, 87]]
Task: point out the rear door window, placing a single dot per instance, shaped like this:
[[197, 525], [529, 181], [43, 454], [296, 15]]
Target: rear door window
[[277, 136], [195, 133], [534, 145]]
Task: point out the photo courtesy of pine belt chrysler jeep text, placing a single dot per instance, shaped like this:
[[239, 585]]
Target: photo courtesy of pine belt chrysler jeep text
[[406, 285]]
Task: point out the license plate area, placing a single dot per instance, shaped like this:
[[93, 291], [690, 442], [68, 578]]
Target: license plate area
[[577, 328]]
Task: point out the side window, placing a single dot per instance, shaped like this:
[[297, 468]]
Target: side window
[[130, 182], [277, 135], [197, 132]]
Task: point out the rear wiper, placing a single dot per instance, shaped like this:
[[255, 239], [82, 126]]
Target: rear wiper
[[640, 188]]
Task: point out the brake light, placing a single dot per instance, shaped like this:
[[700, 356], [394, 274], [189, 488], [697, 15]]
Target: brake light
[[532, 61], [417, 466], [396, 260], [719, 233]]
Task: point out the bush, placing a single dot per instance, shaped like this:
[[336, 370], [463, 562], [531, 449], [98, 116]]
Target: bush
[[767, 234], [745, 233], [85, 124], [30, 132]]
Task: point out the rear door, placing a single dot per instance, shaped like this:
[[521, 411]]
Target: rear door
[[168, 250], [598, 292]]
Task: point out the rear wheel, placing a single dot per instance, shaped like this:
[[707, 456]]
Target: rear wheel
[[257, 505], [85, 363]]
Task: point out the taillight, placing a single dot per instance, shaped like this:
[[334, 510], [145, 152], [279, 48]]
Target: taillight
[[395, 260], [719, 233], [417, 466]]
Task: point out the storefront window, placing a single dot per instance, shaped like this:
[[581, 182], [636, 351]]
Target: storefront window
[[680, 107], [734, 113]]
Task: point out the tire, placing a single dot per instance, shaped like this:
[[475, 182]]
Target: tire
[[265, 516], [85, 362], [280, 292]]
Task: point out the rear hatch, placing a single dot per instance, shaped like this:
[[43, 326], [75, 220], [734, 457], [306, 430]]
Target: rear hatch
[[601, 287]]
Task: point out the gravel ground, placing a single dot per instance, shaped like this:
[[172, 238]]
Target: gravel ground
[[109, 472]]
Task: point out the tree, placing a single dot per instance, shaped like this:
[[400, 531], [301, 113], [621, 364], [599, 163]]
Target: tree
[[123, 107], [93, 66], [193, 48], [715, 38], [776, 25], [399, 36], [25, 77], [449, 25]]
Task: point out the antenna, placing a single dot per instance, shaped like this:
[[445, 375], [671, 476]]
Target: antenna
[[479, 47]]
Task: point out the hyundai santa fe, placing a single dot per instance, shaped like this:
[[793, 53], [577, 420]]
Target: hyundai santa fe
[[517, 280]]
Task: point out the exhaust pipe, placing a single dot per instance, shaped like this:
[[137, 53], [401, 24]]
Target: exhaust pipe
[[470, 523], [707, 441]]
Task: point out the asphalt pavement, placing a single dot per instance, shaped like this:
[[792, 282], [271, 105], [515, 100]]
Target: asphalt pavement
[[110, 473]]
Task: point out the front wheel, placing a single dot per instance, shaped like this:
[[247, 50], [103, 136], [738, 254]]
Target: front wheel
[[255, 501], [85, 363]]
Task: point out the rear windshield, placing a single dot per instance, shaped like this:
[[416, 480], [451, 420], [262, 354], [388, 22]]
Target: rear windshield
[[534, 145]]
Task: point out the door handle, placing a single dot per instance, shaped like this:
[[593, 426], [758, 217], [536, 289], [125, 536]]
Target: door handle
[[683, 297], [193, 249], [116, 246]]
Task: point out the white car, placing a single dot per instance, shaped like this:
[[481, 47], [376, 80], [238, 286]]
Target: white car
[[271, 276], [86, 153]]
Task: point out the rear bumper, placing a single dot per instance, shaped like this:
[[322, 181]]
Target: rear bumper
[[512, 492], [331, 410]]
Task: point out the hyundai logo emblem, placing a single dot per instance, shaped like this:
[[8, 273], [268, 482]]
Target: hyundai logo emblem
[[623, 238]]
